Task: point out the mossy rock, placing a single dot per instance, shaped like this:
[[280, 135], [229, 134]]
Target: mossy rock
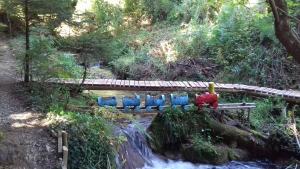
[[210, 154], [221, 154]]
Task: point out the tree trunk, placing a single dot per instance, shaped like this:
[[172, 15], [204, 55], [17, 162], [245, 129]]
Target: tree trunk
[[26, 59], [9, 24], [283, 31]]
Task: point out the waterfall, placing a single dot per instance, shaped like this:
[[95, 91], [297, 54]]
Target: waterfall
[[136, 154]]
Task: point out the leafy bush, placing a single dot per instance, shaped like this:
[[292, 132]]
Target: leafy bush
[[204, 148], [138, 65], [261, 115], [158, 9], [90, 139], [197, 11], [107, 16], [194, 42], [231, 40], [175, 127], [133, 8], [47, 61]]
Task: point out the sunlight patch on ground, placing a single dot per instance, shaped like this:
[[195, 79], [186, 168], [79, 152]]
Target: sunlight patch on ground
[[26, 119], [22, 116]]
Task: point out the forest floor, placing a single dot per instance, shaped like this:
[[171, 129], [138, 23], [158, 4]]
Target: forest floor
[[27, 143]]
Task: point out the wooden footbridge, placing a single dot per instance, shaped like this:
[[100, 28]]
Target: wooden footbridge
[[133, 85]]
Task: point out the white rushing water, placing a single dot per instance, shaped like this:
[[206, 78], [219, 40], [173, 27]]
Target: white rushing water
[[170, 164], [154, 161]]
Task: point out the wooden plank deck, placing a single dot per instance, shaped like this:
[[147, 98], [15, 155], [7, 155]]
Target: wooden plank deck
[[133, 85]]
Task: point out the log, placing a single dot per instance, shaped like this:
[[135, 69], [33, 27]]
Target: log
[[254, 143]]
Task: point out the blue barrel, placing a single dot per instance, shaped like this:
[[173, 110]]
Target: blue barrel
[[151, 101], [182, 101], [107, 101], [134, 102]]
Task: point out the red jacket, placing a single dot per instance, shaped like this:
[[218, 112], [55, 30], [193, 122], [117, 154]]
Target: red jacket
[[207, 98]]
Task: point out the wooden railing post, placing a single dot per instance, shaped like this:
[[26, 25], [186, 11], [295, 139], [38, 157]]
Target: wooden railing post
[[65, 157], [59, 141]]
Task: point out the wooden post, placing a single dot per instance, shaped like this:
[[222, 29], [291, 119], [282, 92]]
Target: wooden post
[[65, 157], [283, 112], [248, 116], [59, 137], [65, 138]]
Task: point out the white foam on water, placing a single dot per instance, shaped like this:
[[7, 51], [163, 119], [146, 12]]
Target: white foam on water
[[171, 164]]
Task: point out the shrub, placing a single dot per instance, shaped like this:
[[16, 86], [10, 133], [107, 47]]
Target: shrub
[[231, 42], [90, 139], [158, 9], [204, 148], [138, 65], [107, 16], [262, 116], [194, 42], [197, 11]]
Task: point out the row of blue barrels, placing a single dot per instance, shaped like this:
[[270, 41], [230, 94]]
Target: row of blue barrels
[[150, 102]]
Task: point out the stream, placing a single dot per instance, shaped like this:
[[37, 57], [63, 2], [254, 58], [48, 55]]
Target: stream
[[136, 154], [138, 149]]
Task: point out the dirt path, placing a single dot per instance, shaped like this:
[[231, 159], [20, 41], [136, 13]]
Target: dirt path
[[26, 143]]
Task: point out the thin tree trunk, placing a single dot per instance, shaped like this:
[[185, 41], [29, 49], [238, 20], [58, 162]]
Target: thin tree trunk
[[9, 24], [283, 31], [84, 75], [27, 59]]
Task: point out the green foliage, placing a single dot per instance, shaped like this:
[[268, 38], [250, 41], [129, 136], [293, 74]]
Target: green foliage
[[231, 38], [133, 8], [175, 127], [137, 65], [90, 139], [262, 116], [158, 9], [47, 62], [107, 16], [50, 13], [197, 11], [204, 148], [194, 43], [43, 97]]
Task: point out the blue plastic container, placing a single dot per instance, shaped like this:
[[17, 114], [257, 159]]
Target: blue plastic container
[[107, 101], [134, 102], [151, 101], [182, 101]]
